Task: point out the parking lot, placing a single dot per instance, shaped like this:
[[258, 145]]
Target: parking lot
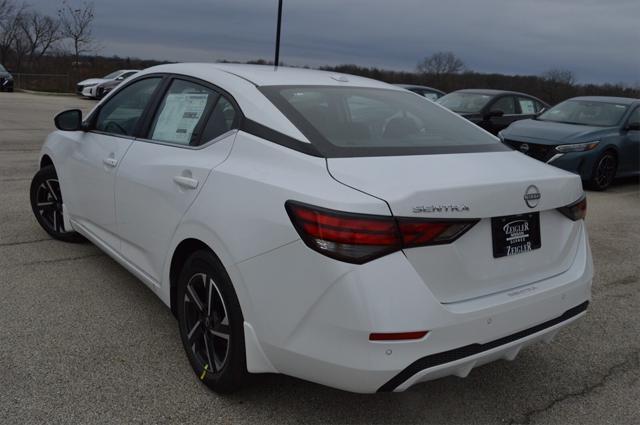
[[83, 341]]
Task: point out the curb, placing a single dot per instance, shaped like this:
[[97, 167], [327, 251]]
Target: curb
[[43, 93]]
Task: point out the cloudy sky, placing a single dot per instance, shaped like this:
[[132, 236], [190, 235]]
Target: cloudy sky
[[599, 40]]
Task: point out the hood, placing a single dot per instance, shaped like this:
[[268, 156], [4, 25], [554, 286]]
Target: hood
[[92, 81], [547, 132]]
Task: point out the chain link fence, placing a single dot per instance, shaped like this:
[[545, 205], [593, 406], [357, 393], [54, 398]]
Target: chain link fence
[[56, 83]]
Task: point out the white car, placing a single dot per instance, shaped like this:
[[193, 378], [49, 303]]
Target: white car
[[88, 88], [324, 226]]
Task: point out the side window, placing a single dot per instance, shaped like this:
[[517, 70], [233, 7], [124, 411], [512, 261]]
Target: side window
[[539, 107], [528, 106], [182, 113], [505, 104], [222, 119], [121, 113], [634, 118], [430, 95]]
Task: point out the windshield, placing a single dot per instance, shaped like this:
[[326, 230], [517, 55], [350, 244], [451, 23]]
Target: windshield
[[111, 76], [353, 121], [464, 103], [585, 112]]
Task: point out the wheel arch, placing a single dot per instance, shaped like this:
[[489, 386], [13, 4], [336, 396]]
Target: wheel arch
[[45, 161], [182, 251]]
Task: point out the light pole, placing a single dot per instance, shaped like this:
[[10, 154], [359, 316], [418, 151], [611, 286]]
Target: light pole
[[277, 59]]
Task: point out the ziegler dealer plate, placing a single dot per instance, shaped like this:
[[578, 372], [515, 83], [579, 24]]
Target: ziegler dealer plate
[[515, 234]]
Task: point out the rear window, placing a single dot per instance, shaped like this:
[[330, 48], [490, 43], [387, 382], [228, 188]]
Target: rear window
[[353, 121]]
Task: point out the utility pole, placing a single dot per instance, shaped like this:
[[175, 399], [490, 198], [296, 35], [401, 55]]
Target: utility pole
[[277, 60]]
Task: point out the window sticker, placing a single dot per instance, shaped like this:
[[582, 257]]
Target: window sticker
[[179, 117], [527, 106]]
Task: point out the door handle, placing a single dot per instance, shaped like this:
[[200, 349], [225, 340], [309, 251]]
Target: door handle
[[110, 162], [186, 182]]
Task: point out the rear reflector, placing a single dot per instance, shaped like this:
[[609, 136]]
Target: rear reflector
[[396, 336], [577, 210], [358, 238]]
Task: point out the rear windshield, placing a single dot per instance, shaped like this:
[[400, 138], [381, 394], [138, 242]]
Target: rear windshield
[[465, 103], [354, 121], [584, 112]]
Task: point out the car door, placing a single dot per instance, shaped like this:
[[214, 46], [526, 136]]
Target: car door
[[505, 104], [630, 149], [191, 131], [94, 161]]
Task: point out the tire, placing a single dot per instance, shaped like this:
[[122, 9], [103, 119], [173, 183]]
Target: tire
[[604, 171], [212, 332], [46, 204]]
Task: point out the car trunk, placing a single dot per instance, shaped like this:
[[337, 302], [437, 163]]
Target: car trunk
[[473, 186]]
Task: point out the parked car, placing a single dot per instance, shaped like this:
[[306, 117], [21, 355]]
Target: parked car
[[88, 88], [595, 137], [6, 80], [325, 226], [103, 89], [492, 110], [428, 92]]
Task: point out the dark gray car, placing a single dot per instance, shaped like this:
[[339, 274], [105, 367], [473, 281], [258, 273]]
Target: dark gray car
[[6, 80], [596, 137], [492, 110]]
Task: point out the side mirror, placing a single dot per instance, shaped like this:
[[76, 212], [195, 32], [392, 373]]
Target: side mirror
[[70, 120], [491, 114], [633, 126]]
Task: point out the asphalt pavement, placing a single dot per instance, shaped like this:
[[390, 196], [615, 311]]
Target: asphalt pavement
[[83, 341]]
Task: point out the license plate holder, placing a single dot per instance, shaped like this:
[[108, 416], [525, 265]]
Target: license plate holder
[[515, 234]]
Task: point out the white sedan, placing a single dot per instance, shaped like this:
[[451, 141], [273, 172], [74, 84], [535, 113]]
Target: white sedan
[[89, 88], [325, 226]]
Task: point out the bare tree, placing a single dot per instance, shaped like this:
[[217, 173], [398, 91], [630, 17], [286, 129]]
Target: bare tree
[[76, 25], [10, 12], [40, 32], [7, 8], [561, 76], [441, 63]]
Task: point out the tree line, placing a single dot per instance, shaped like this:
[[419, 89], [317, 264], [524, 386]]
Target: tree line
[[447, 72], [28, 36]]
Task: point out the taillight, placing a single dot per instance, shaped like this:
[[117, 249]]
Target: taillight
[[577, 210], [358, 238]]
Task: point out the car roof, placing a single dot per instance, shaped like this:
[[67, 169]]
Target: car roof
[[268, 75], [415, 86], [610, 99], [492, 92]]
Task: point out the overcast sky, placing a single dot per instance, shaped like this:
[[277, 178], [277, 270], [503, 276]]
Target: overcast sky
[[599, 40]]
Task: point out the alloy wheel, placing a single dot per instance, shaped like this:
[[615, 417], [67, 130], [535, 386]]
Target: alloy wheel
[[207, 323], [49, 205], [605, 171]]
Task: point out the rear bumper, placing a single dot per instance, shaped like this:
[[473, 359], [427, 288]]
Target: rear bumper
[[460, 361], [319, 330]]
